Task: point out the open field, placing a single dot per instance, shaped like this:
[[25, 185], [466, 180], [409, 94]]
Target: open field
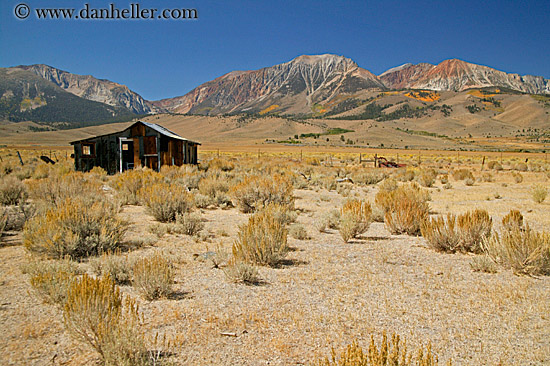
[[466, 132], [324, 293]]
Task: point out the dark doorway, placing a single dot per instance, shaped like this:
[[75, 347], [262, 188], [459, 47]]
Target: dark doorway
[[127, 155]]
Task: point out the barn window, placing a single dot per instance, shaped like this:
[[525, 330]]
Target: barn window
[[125, 147], [88, 149]]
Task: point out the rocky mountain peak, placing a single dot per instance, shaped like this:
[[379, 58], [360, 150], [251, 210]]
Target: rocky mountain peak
[[297, 85], [458, 75], [91, 88]]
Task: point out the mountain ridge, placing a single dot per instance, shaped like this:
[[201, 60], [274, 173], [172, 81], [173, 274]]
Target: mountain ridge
[[264, 89], [92, 88], [308, 85], [302, 81], [459, 75], [25, 96]]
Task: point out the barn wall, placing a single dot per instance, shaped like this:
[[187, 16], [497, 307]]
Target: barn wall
[[150, 149]]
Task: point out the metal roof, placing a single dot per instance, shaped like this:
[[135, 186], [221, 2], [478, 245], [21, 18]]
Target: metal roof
[[166, 132]]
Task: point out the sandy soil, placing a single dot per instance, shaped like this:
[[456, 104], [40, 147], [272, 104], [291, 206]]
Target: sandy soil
[[327, 293]]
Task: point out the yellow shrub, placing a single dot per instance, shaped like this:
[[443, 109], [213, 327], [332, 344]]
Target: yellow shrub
[[241, 272], [164, 201], [513, 220], [474, 227], [462, 174], [12, 191], [405, 208], [114, 265], [426, 177], [522, 249], [130, 182], [255, 192], [368, 177], [75, 227], [57, 188], [388, 353], [441, 234], [464, 233], [52, 278], [153, 276], [539, 193], [263, 240], [355, 218], [221, 164], [97, 315], [215, 187]]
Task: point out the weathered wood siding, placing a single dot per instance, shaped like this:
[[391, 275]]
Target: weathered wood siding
[[150, 148]]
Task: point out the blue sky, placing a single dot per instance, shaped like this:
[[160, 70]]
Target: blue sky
[[167, 58]]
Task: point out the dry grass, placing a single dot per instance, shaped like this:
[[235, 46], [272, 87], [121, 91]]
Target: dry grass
[[464, 233], [518, 178], [522, 249], [369, 177], [221, 164], [255, 192], [52, 278], [426, 177], [298, 232], [165, 201], [214, 186], [188, 224], [405, 208], [153, 276], [462, 174], [242, 272], [539, 193], [355, 219], [483, 263], [512, 220], [129, 183], [59, 187], [263, 240], [442, 234], [75, 227], [388, 353], [474, 227], [327, 294], [328, 220], [3, 221], [96, 314], [115, 265], [12, 191]]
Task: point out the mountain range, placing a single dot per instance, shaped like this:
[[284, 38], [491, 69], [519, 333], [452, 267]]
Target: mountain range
[[309, 86]]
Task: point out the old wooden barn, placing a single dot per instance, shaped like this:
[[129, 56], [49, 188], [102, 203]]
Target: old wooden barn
[[140, 145]]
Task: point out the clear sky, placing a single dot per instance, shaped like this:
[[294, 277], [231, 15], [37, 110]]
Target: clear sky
[[167, 58]]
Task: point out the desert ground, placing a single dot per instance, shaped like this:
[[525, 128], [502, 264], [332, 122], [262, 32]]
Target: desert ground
[[324, 294]]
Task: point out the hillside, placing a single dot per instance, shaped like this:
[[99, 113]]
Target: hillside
[[25, 96], [91, 88]]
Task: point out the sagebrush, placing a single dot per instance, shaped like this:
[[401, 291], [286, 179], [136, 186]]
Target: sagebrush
[[75, 227], [388, 353], [153, 276], [263, 240], [96, 313]]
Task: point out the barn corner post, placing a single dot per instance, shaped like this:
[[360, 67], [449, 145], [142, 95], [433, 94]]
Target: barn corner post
[[159, 161], [120, 163]]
